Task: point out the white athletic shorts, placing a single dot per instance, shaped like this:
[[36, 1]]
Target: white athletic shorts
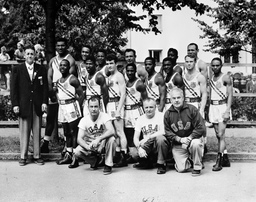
[[69, 112], [131, 115], [111, 110], [216, 113]]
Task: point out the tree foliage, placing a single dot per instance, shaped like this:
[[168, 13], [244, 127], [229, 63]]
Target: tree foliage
[[236, 27], [100, 23]]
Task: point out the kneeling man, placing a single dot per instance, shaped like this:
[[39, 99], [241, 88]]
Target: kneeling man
[[95, 136], [154, 142], [184, 128]]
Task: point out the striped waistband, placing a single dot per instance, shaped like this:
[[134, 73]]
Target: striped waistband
[[190, 100], [218, 102], [131, 107], [68, 101], [114, 99]]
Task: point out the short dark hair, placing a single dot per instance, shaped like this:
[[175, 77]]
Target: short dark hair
[[111, 57], [62, 40], [193, 44], [94, 98], [130, 50], [132, 65], [218, 59], [172, 50], [87, 46], [90, 57], [101, 50], [66, 61], [152, 59], [167, 59]]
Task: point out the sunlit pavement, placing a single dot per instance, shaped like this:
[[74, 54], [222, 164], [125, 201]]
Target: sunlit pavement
[[52, 182]]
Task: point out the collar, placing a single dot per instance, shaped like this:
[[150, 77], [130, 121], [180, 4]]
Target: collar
[[172, 109], [30, 67]]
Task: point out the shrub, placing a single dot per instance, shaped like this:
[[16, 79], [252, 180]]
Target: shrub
[[244, 108], [6, 112]]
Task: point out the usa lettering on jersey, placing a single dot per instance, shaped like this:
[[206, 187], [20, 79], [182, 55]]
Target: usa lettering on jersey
[[180, 126]]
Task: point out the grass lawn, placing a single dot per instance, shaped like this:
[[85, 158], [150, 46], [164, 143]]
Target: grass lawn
[[234, 145]]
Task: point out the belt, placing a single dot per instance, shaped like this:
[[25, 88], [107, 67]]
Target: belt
[[68, 101], [218, 102], [168, 100], [114, 99], [194, 99], [89, 96], [131, 107]]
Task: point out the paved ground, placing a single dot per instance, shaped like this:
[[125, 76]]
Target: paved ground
[[53, 183], [236, 132]]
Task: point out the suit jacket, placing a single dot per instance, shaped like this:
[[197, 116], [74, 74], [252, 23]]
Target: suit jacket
[[26, 93]]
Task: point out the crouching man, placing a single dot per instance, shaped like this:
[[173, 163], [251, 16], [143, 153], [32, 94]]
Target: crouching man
[[153, 142], [184, 128], [95, 136]]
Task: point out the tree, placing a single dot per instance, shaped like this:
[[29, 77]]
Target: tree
[[237, 27], [108, 18]]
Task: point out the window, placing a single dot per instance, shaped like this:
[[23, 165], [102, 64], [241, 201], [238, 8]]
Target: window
[[158, 18], [156, 54]]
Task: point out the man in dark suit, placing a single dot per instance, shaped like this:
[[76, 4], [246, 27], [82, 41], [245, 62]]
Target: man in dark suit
[[29, 96]]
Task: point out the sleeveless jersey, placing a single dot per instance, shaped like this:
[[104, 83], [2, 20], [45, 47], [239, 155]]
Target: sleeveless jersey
[[92, 87], [152, 88], [218, 90], [170, 85], [113, 87], [192, 87], [132, 95], [65, 90], [82, 73]]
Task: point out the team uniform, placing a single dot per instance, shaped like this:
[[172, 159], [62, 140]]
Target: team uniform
[[56, 72], [218, 103], [114, 97], [153, 90], [82, 74], [92, 89], [169, 86], [93, 130], [187, 122], [148, 126], [69, 109], [192, 91], [133, 106]]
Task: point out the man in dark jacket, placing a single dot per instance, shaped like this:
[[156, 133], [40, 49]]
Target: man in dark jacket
[[29, 96], [184, 128]]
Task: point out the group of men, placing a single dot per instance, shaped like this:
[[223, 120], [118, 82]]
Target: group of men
[[114, 112]]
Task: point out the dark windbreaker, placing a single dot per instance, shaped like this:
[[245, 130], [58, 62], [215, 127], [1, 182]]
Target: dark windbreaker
[[183, 123]]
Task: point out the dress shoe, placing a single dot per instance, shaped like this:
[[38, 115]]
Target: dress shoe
[[107, 170], [39, 161], [74, 163], [161, 169], [66, 160], [22, 162]]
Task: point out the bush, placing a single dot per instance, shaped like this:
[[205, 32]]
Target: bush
[[6, 112], [244, 108]]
